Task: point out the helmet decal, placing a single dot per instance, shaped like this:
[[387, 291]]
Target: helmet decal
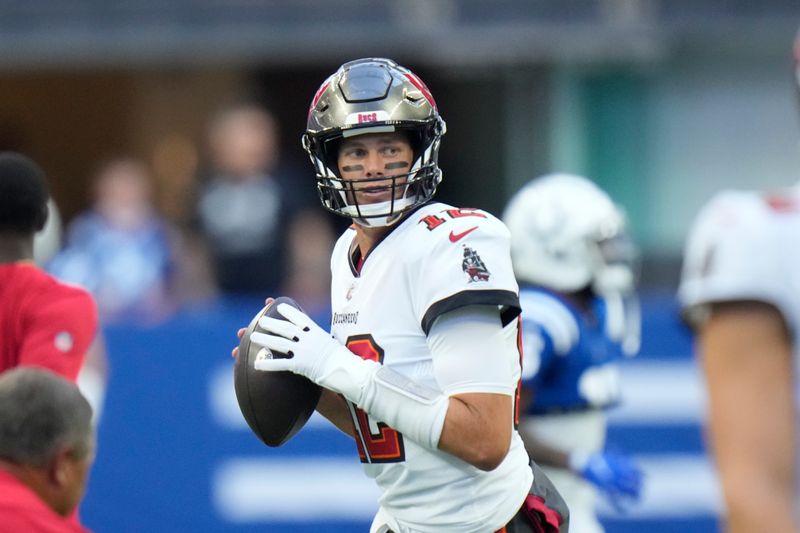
[[419, 84], [318, 95]]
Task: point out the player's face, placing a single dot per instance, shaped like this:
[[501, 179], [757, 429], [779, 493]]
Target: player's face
[[370, 161]]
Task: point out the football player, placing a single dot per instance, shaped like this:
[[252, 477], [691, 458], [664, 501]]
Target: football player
[[422, 363], [740, 291], [580, 317]]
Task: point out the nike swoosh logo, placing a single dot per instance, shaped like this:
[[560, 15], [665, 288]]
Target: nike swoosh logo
[[454, 237]]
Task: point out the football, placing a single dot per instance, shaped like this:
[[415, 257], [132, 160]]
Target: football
[[276, 405]]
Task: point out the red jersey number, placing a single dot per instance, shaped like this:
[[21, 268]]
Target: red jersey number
[[377, 442]]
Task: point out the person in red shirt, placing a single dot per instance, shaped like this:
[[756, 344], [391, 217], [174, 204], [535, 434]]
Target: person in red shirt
[[43, 322], [47, 444]]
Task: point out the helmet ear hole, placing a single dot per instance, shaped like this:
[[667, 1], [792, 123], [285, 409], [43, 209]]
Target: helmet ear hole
[[330, 149]]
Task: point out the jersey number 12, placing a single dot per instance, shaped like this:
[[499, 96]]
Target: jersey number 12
[[377, 442]]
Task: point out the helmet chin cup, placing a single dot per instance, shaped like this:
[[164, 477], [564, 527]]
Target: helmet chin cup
[[380, 214]]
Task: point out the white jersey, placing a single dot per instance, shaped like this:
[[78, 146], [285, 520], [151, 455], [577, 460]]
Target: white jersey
[[438, 259], [745, 246]]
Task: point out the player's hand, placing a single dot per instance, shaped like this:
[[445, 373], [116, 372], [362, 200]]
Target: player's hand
[[240, 332], [312, 352], [615, 474]]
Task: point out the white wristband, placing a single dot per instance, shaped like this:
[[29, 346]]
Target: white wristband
[[416, 411]]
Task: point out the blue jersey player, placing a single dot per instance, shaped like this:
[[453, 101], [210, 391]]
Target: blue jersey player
[[580, 317]]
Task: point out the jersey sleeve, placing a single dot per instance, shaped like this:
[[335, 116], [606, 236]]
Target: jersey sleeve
[[58, 332], [465, 262], [743, 246]]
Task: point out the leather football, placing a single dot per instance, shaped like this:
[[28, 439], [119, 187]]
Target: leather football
[[276, 405]]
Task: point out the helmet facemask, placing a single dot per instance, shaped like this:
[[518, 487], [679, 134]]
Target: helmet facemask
[[616, 266]]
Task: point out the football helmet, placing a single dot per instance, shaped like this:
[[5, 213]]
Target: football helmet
[[567, 235], [374, 95]]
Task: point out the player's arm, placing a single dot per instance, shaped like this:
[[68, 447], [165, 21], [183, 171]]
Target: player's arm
[[477, 429], [747, 358], [333, 407], [472, 359], [483, 419], [59, 332]]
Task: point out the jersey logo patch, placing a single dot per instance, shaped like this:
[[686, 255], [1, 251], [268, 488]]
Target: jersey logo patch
[[63, 341], [455, 237], [473, 266]]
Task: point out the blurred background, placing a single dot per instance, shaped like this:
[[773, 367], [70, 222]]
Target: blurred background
[[170, 128]]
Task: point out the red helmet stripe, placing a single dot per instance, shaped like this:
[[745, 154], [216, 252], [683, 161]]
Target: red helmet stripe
[[318, 95], [418, 83]]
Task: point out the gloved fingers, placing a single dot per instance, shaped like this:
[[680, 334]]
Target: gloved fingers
[[295, 316], [279, 327], [273, 342], [274, 365]]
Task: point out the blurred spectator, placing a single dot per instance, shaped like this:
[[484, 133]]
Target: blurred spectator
[[121, 249], [174, 161], [46, 450], [574, 263], [264, 232]]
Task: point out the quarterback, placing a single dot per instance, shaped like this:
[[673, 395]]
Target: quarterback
[[422, 364]]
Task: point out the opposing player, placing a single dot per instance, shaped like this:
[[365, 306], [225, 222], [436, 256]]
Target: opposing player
[[422, 366], [42, 322], [573, 260]]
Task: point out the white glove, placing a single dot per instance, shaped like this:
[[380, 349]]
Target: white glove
[[312, 352], [412, 409]]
